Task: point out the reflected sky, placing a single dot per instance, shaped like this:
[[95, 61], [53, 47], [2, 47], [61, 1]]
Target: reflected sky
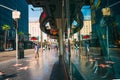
[[86, 12]]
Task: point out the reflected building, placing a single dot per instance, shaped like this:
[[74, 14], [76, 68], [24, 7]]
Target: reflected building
[[87, 28], [108, 26]]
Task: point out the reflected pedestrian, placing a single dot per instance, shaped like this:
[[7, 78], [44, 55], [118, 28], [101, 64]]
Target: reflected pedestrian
[[86, 48], [49, 47], [56, 47]]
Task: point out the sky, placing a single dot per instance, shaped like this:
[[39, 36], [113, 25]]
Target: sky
[[35, 13]]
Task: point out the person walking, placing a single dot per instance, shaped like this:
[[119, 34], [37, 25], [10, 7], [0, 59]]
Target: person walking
[[37, 50]]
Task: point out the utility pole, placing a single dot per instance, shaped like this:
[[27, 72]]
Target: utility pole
[[41, 42], [106, 13]]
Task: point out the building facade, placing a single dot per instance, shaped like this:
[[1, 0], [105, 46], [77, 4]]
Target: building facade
[[35, 31], [6, 18]]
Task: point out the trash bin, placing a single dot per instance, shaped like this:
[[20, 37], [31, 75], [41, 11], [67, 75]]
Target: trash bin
[[20, 50]]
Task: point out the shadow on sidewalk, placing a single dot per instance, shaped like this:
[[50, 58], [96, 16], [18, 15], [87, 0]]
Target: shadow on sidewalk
[[57, 72]]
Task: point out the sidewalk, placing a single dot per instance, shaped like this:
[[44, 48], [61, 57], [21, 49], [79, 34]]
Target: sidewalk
[[94, 67], [7, 55], [27, 68]]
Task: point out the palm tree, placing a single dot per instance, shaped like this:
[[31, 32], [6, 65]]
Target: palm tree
[[5, 27], [29, 35], [20, 33]]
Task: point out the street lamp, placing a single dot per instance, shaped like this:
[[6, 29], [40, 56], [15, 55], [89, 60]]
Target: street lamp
[[106, 12], [15, 16]]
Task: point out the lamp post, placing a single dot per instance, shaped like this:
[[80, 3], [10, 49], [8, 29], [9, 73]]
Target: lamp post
[[16, 16], [41, 42], [106, 13]]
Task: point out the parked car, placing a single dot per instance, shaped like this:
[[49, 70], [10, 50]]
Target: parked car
[[113, 46], [9, 49]]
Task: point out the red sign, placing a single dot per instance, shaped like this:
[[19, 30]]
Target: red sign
[[86, 37], [34, 38]]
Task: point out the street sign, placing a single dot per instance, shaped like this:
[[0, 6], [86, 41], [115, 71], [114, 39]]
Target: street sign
[[15, 14], [106, 11]]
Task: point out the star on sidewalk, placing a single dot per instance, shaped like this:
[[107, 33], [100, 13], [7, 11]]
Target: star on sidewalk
[[104, 66], [92, 60], [23, 68], [17, 65]]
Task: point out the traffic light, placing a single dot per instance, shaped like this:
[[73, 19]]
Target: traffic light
[[15, 23]]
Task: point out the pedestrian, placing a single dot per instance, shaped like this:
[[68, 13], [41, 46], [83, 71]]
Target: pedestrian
[[49, 47], [37, 50], [56, 47]]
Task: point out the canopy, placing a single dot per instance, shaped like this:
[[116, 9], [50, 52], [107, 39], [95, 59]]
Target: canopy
[[33, 38]]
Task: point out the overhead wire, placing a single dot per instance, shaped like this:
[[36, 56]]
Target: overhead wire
[[114, 4]]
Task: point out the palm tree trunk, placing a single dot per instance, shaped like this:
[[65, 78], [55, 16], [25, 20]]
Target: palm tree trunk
[[5, 41]]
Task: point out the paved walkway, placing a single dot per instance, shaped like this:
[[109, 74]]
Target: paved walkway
[[27, 68], [7, 55], [94, 67]]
